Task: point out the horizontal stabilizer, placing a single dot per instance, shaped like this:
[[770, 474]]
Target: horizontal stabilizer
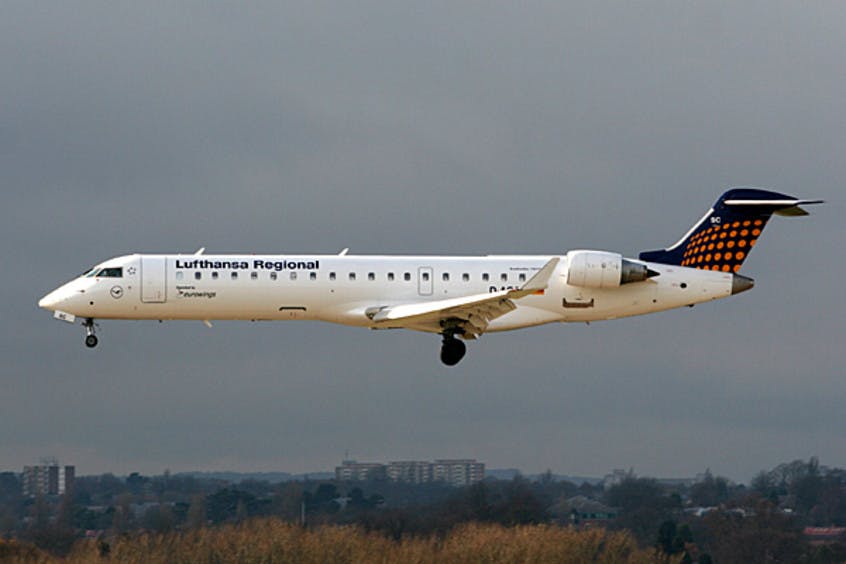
[[785, 207], [776, 203]]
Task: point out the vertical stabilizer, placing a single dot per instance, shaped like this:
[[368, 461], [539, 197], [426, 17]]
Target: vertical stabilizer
[[725, 235]]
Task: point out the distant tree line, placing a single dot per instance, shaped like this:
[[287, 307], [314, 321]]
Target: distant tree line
[[712, 520]]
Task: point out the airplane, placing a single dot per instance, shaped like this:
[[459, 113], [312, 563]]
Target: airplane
[[458, 297]]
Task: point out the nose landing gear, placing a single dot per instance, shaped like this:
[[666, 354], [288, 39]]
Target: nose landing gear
[[452, 350], [90, 338]]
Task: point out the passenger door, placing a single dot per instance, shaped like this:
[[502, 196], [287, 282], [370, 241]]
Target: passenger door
[[153, 279]]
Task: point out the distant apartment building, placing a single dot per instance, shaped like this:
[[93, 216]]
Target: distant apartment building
[[353, 471], [410, 471], [47, 479], [458, 473]]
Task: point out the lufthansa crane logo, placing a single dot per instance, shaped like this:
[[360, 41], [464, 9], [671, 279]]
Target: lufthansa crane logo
[[116, 292]]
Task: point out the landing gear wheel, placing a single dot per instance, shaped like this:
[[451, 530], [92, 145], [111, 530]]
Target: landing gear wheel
[[90, 337], [452, 351]]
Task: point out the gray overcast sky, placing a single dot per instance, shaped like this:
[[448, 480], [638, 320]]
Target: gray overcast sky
[[435, 127]]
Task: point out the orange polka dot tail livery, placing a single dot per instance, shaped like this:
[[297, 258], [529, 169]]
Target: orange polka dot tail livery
[[735, 222]]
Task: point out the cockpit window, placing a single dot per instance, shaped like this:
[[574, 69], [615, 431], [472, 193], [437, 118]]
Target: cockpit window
[[88, 273], [116, 272]]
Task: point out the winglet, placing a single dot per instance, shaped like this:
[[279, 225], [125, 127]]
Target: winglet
[[539, 282]]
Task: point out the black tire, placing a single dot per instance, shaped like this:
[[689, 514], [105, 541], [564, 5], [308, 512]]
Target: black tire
[[90, 341], [452, 351]]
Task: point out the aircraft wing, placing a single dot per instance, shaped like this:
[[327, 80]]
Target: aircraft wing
[[471, 314]]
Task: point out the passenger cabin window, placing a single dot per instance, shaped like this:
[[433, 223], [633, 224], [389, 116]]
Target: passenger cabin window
[[465, 277], [486, 276], [198, 275], [293, 276], [352, 275], [273, 275], [391, 276], [503, 277], [254, 275], [331, 276], [371, 276], [446, 276], [522, 277], [179, 274], [214, 275], [312, 276], [110, 273], [234, 276], [426, 276], [407, 276]]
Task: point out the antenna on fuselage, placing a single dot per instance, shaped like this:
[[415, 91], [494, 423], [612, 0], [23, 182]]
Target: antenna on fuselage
[[200, 251], [344, 251]]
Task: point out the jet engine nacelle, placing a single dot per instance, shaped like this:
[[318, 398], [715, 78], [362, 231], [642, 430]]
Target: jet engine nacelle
[[601, 269]]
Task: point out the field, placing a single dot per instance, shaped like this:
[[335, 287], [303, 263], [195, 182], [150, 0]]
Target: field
[[272, 540]]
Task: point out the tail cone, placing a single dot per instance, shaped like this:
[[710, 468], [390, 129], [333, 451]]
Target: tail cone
[[740, 283]]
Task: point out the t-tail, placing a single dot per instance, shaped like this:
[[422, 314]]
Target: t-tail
[[722, 239]]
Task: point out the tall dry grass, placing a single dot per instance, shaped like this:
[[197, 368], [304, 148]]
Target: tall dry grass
[[277, 542]]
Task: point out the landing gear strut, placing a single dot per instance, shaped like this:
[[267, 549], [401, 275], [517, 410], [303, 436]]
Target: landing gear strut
[[90, 337], [452, 350]]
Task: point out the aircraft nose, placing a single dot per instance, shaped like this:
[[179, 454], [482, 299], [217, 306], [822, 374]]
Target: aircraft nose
[[50, 300], [46, 301]]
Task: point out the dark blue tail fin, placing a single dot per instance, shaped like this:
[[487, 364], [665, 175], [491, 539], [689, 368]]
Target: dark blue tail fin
[[724, 236]]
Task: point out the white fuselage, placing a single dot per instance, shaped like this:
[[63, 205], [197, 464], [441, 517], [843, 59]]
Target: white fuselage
[[341, 288]]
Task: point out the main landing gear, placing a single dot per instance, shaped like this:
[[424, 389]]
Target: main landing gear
[[90, 337], [452, 350]]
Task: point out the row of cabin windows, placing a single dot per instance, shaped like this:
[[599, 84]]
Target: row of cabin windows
[[180, 275]]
